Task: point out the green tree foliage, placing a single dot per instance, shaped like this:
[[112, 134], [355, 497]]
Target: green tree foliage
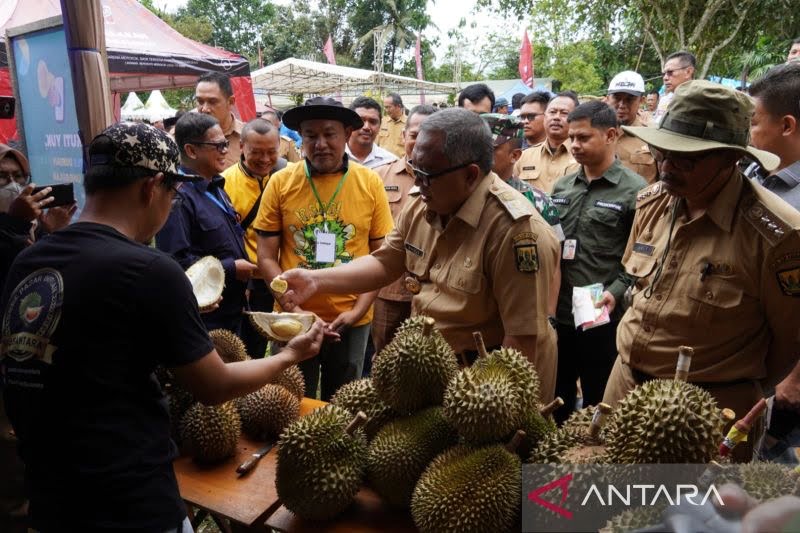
[[574, 65], [236, 24]]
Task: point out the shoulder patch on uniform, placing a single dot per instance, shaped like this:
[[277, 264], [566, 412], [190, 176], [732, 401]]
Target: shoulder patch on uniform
[[767, 223], [789, 281], [517, 205], [526, 254], [648, 194]]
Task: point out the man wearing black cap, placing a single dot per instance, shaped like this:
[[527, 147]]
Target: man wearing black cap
[[318, 213], [89, 314]]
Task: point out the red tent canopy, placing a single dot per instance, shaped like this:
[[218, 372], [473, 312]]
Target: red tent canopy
[[144, 53]]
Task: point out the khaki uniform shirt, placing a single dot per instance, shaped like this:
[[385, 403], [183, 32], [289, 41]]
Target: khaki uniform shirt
[[391, 135], [234, 137], [487, 270], [540, 167], [598, 215], [729, 286], [397, 183], [635, 154], [287, 150]]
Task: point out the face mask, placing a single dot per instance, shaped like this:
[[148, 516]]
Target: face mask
[[7, 195]]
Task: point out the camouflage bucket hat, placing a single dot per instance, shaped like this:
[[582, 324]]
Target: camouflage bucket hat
[[503, 127], [706, 116], [137, 145]]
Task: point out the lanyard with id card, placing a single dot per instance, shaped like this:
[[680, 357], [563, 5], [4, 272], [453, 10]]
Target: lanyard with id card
[[325, 247]]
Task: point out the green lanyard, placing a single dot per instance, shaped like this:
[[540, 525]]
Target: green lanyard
[[324, 207]]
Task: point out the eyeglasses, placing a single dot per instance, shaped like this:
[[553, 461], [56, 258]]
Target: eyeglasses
[[177, 199], [426, 177], [221, 146], [671, 72], [678, 160], [530, 117], [19, 177]]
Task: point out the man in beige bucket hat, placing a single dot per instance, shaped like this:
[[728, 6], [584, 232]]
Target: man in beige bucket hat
[[717, 260]]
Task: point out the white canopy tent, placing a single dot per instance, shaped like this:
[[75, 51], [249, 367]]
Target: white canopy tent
[[133, 108], [297, 76], [157, 108]]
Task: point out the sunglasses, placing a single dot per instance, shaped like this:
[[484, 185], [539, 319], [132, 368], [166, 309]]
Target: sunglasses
[[679, 160], [426, 177], [221, 146], [530, 117], [177, 199], [671, 72]]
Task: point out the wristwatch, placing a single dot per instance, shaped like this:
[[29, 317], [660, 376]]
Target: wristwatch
[[553, 321]]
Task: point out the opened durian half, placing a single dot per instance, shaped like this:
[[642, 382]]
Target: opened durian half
[[281, 326], [208, 279]]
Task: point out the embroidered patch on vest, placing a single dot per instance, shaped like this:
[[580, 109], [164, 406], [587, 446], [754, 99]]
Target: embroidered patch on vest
[[609, 205], [789, 280], [414, 250], [642, 248], [561, 201]]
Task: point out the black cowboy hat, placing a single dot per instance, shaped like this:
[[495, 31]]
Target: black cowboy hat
[[321, 108]]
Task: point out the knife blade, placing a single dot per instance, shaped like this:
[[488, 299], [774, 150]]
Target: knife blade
[[250, 463]]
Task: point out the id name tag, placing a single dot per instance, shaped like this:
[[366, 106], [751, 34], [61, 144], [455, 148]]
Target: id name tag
[[570, 247], [326, 247]]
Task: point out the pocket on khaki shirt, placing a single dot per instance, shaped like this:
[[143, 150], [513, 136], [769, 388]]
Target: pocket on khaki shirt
[[713, 299], [465, 280]]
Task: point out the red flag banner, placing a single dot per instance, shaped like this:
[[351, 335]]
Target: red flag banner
[[526, 61], [328, 51], [418, 58]]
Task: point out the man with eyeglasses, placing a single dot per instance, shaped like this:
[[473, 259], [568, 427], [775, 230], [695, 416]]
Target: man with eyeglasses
[[213, 95], [90, 313], [478, 255], [205, 222], [717, 260], [678, 69], [625, 94], [531, 114], [543, 164]]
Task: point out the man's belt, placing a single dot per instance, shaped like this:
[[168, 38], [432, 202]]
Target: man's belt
[[642, 377]]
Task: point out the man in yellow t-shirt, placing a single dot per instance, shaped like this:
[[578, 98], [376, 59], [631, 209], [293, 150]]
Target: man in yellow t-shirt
[[318, 213]]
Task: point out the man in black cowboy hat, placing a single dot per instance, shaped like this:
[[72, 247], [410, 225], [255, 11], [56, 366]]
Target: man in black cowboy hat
[[717, 259], [318, 213]]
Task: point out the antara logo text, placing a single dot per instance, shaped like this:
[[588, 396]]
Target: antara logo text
[[628, 495]]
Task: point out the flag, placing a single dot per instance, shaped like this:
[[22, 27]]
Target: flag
[[328, 51], [418, 58], [526, 61]]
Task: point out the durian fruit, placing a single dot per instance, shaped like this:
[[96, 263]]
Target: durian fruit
[[575, 443], [278, 285], [230, 347], [321, 462], [483, 405], [266, 412], [179, 401], [209, 433], [414, 369], [360, 395], [281, 326], [207, 277], [762, 481], [537, 423], [292, 380], [402, 450], [634, 519], [466, 490], [665, 421], [519, 370]]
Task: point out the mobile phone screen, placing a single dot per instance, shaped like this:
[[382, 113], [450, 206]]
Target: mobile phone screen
[[63, 194]]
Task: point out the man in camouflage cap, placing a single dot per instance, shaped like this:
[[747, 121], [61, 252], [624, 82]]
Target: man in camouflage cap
[[717, 260]]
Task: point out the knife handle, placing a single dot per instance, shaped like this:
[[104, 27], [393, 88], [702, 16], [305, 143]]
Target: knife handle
[[248, 465]]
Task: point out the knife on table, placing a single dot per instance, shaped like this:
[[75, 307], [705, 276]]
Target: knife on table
[[248, 465]]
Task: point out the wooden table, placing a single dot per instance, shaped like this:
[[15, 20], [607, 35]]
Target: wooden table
[[244, 501]]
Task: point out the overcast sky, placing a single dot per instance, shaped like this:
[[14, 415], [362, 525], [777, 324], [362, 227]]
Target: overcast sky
[[444, 13]]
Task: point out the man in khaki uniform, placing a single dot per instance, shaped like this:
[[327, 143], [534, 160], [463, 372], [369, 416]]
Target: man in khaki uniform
[[214, 96], [393, 304], [625, 93], [287, 148], [480, 257], [394, 122], [541, 165], [717, 260]]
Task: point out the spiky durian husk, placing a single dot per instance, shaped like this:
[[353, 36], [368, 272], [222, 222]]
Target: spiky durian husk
[[468, 490], [665, 421], [519, 370], [292, 380], [266, 412], [535, 427], [402, 450], [414, 369], [230, 347], [762, 481], [360, 395], [633, 519], [180, 400], [320, 466], [209, 433]]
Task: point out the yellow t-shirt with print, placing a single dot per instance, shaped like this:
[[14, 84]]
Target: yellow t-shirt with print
[[243, 190], [359, 213]]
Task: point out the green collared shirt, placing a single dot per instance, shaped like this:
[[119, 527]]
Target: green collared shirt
[[598, 215]]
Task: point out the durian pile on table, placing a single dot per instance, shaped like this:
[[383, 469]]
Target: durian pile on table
[[426, 445]]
